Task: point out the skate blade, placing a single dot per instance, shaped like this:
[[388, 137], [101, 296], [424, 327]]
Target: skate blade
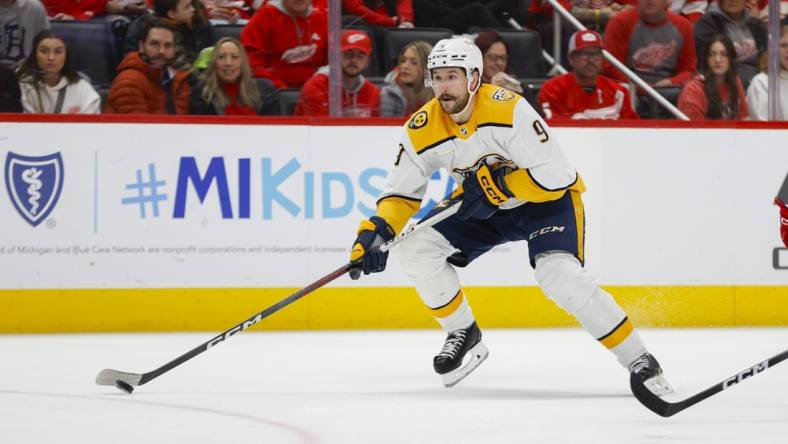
[[474, 358], [658, 385]]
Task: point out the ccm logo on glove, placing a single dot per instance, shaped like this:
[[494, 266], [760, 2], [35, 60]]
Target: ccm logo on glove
[[482, 193]]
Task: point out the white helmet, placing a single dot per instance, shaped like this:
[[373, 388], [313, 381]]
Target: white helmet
[[456, 52]]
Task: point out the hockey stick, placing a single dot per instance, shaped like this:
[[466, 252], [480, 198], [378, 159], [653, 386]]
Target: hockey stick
[[126, 381], [667, 409]]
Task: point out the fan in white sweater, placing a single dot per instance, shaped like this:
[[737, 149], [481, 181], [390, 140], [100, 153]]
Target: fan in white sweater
[[758, 91], [50, 84]]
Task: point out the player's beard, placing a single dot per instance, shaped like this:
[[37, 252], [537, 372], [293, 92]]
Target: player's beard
[[459, 103]]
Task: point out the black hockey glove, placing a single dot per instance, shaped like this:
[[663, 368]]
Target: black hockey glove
[[365, 256], [483, 191]]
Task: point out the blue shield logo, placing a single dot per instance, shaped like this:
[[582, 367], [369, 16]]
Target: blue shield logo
[[34, 184]]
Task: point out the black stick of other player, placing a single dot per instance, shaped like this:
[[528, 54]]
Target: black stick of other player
[[667, 409]]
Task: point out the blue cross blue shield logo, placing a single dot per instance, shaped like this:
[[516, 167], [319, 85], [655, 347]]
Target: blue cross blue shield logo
[[34, 184]]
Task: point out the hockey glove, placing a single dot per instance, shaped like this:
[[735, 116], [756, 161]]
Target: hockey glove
[[483, 191], [365, 256], [783, 220]]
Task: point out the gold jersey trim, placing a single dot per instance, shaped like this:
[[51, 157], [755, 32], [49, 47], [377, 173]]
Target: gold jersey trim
[[434, 127]]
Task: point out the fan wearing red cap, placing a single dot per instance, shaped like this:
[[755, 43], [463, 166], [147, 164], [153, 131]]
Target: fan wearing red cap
[[360, 97], [584, 93]]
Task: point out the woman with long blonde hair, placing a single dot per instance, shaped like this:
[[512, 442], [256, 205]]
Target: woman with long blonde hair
[[405, 91], [227, 86]]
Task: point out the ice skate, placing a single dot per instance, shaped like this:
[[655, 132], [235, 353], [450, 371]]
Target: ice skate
[[649, 371], [459, 343]]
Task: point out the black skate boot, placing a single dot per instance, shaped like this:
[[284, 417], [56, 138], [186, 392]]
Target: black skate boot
[[648, 370], [448, 363]]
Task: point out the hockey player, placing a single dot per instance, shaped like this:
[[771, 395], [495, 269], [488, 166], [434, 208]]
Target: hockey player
[[516, 185]]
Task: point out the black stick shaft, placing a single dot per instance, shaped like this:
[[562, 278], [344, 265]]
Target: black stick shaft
[[245, 324], [443, 209], [667, 409]]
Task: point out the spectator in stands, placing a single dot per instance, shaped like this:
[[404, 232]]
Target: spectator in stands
[[20, 21], [405, 91], [286, 41], [189, 18], [594, 14], [597, 13], [360, 97], [383, 13], [50, 84], [692, 10], [88, 9], [495, 59], [146, 83], [495, 56], [758, 92], [456, 15], [583, 93], [229, 11], [748, 34], [227, 87], [760, 9], [717, 92], [655, 43], [10, 97], [540, 18]]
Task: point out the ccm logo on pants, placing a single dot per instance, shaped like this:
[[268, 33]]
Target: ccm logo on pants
[[545, 230]]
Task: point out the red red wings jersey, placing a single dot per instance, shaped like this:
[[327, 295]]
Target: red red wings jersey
[[563, 98], [286, 49], [313, 101]]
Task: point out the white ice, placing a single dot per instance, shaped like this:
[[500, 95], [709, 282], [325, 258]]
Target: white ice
[[538, 386]]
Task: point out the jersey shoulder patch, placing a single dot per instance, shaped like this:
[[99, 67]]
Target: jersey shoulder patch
[[419, 119], [503, 95], [496, 106], [426, 128]]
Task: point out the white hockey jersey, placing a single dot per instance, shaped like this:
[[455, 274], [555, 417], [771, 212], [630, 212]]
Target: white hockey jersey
[[503, 130]]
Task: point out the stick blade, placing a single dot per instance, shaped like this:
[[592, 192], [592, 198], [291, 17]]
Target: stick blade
[[111, 377], [649, 399]]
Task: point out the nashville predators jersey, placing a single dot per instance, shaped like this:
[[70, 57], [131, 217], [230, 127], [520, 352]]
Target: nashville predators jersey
[[503, 130]]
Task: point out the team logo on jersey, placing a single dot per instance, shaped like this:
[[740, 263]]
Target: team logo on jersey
[[419, 120], [34, 184], [503, 95]]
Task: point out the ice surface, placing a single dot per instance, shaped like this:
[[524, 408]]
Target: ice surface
[[538, 386]]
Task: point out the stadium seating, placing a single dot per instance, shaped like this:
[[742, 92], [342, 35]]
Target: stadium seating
[[526, 58], [533, 85], [234, 31], [287, 100], [397, 38], [649, 108], [91, 48]]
